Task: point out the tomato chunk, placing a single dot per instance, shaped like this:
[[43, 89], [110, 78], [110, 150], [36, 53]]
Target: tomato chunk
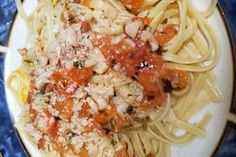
[[132, 4], [66, 81], [65, 108], [80, 76], [111, 119], [179, 79], [41, 143], [149, 81], [85, 111], [86, 26], [165, 35], [83, 152], [46, 123], [145, 21], [85, 3]]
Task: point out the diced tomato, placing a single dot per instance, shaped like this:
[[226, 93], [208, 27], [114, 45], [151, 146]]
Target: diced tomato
[[86, 26], [59, 75], [149, 74], [156, 61], [41, 143], [60, 147], [95, 127], [101, 117], [145, 21], [110, 51], [132, 4], [165, 35], [152, 89], [149, 79], [131, 59], [107, 116], [153, 101], [51, 130], [83, 152], [51, 125], [85, 3], [85, 111], [119, 121], [32, 111], [179, 79], [65, 108], [70, 79], [80, 76], [46, 123]]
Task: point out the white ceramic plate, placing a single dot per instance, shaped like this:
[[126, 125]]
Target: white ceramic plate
[[224, 71]]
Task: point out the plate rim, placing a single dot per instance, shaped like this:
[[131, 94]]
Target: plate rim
[[233, 51]]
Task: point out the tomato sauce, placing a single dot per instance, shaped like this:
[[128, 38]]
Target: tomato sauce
[[60, 147], [72, 75], [63, 79], [95, 127], [84, 111], [70, 78], [132, 4], [105, 120], [139, 63], [85, 26], [41, 143], [65, 109], [80, 76], [111, 119], [148, 68], [130, 58], [83, 152], [146, 21], [148, 79], [165, 35], [52, 125], [179, 79], [86, 3], [51, 130]]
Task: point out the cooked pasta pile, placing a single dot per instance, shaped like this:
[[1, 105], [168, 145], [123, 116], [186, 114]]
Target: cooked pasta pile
[[115, 78]]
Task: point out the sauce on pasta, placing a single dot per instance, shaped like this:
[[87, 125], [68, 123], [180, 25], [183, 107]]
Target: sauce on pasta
[[115, 78]]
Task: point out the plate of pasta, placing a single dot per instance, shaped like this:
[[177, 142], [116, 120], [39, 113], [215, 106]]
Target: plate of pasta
[[119, 78]]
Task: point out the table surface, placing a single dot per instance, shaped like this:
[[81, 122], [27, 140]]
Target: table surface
[[9, 143]]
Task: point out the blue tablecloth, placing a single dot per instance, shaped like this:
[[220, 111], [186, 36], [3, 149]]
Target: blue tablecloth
[[9, 143]]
